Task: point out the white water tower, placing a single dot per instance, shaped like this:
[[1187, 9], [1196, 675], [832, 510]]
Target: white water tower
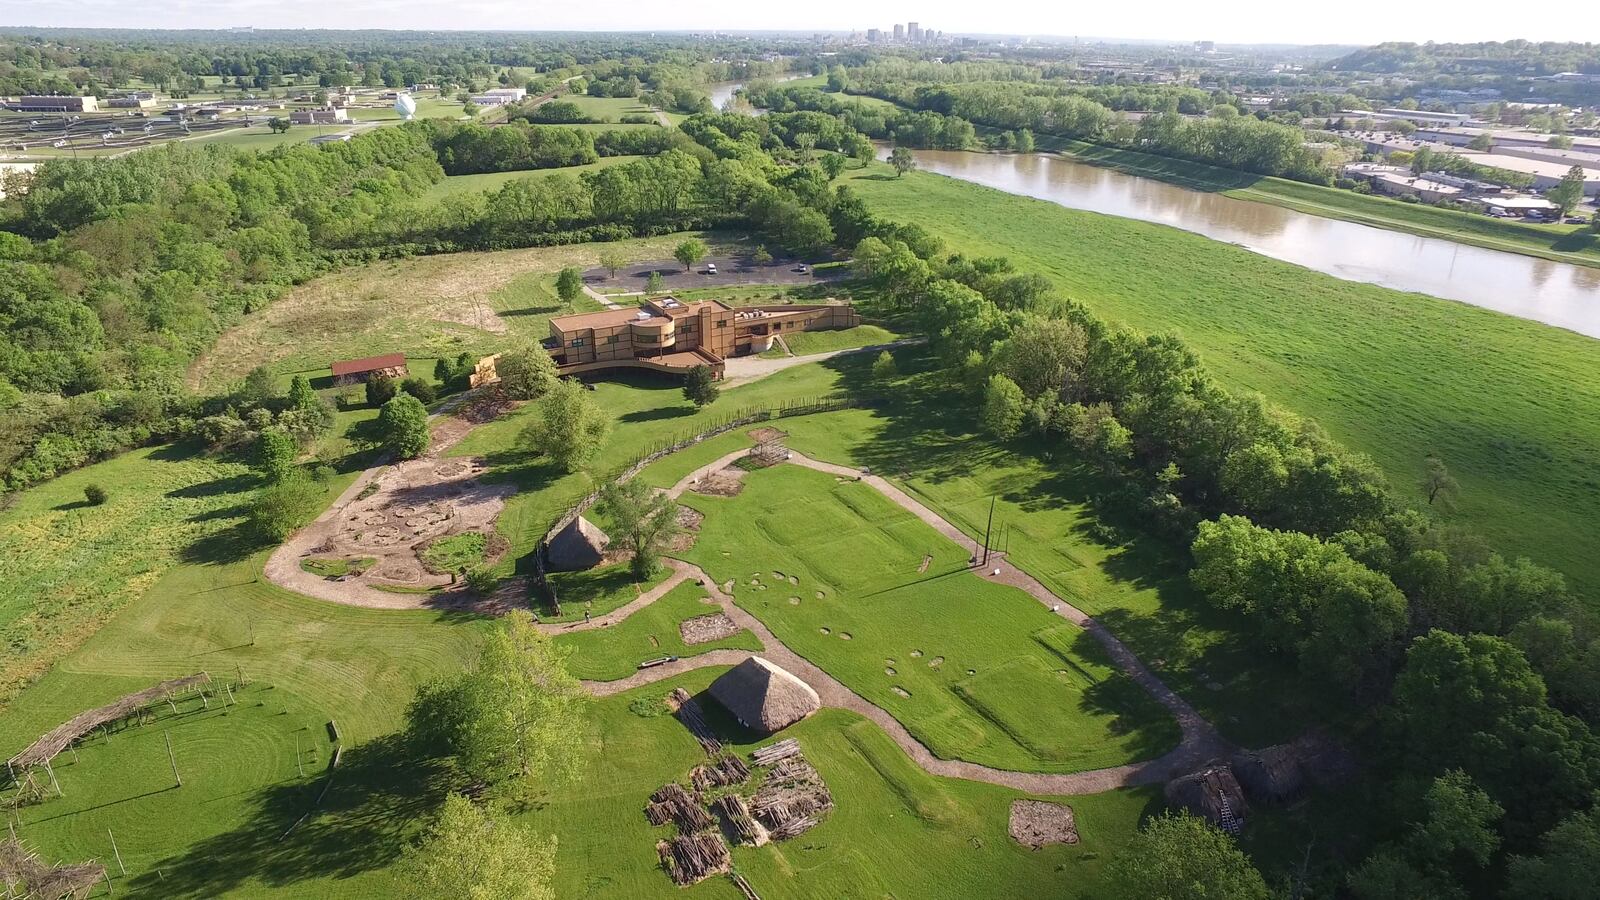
[[406, 106]]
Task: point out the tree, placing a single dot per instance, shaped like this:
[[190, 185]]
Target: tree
[[1483, 141], [1003, 407], [1182, 858], [567, 427], [761, 257], [513, 720], [652, 284], [95, 495], [302, 395], [380, 390], [1438, 484], [612, 260], [275, 453], [700, 386], [1565, 867], [689, 252], [884, 369], [403, 426], [1569, 193], [478, 852], [642, 522], [902, 160], [569, 284], [833, 164], [278, 124], [526, 372], [1024, 141], [420, 388], [282, 506]]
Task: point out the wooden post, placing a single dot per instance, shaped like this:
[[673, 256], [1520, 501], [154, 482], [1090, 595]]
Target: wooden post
[[988, 531], [231, 701], [203, 703], [110, 891], [298, 768], [74, 750], [117, 853], [56, 784], [172, 759]]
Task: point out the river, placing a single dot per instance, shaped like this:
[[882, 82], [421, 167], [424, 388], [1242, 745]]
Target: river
[[1559, 294], [722, 91]]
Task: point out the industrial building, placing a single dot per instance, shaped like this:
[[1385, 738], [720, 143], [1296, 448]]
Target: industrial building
[[56, 103]]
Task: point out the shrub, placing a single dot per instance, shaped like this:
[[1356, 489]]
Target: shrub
[[380, 390], [403, 426], [281, 507], [420, 388], [482, 580], [95, 494]]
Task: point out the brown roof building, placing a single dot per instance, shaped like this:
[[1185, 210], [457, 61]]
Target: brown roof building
[[763, 696], [668, 335], [356, 371]]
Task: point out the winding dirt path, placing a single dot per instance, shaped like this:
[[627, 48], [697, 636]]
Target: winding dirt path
[[1199, 743]]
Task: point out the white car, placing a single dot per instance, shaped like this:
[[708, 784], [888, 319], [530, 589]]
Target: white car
[[711, 268]]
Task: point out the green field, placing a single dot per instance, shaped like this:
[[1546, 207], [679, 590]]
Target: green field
[[607, 654], [805, 343], [1563, 243], [885, 604], [887, 813], [491, 181], [1396, 375]]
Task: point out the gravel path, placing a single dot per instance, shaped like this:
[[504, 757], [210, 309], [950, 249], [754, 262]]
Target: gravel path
[[1200, 742]]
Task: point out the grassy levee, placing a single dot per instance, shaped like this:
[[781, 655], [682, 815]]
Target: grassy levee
[[1562, 243], [1512, 406], [887, 813]]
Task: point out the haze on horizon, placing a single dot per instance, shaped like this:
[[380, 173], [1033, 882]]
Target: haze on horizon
[[1232, 21]]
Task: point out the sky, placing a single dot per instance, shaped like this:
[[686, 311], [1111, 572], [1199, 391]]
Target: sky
[[1233, 21]]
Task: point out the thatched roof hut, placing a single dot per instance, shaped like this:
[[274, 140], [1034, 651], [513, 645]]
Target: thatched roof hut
[[764, 697], [1212, 794], [1271, 775], [580, 545]]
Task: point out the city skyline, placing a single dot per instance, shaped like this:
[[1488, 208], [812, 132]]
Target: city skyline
[[1165, 21]]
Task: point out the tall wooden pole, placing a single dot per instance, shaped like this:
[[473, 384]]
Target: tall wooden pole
[[172, 759], [988, 531], [117, 853], [297, 767]]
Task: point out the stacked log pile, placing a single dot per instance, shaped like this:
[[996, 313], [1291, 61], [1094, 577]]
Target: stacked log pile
[[793, 798], [724, 770], [674, 804], [694, 857], [772, 753], [737, 820], [693, 718]]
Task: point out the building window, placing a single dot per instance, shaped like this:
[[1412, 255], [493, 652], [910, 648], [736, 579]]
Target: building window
[[612, 339], [578, 342], [722, 323]]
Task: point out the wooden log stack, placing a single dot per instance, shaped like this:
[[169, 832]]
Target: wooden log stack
[[690, 858]]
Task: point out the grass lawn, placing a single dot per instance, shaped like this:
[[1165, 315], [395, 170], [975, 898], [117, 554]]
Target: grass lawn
[[492, 181], [804, 343], [863, 589], [887, 812], [1564, 243], [609, 109], [598, 591], [1398, 376], [455, 552], [607, 654]]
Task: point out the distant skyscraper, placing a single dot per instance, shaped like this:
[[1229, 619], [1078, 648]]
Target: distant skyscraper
[[913, 32], [874, 35], [899, 33]]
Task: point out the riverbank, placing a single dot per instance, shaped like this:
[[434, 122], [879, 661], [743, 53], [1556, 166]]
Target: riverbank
[[1396, 375], [1559, 243]]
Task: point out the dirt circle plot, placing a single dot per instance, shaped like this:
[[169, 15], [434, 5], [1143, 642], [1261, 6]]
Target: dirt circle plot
[[1035, 823], [705, 629]]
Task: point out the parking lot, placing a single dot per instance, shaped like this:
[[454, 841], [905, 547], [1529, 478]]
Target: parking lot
[[730, 270]]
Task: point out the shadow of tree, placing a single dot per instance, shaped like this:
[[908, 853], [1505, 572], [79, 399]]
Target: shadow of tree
[[379, 795]]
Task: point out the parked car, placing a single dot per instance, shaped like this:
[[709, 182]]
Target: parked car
[[802, 269], [1577, 220], [711, 268]]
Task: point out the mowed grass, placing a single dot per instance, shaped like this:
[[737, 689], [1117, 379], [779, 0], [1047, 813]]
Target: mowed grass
[[454, 185], [804, 343], [607, 654], [887, 812], [885, 604], [1513, 407]]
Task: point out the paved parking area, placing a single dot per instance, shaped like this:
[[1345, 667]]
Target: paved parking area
[[731, 271]]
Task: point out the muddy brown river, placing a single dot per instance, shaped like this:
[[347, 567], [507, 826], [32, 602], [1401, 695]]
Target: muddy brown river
[[1559, 294]]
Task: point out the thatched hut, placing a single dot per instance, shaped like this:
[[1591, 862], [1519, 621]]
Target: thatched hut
[[580, 545], [764, 697], [1212, 794], [1272, 775]]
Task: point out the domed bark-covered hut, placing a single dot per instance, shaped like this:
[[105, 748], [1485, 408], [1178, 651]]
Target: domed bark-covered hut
[[1272, 775], [764, 697], [1212, 794]]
